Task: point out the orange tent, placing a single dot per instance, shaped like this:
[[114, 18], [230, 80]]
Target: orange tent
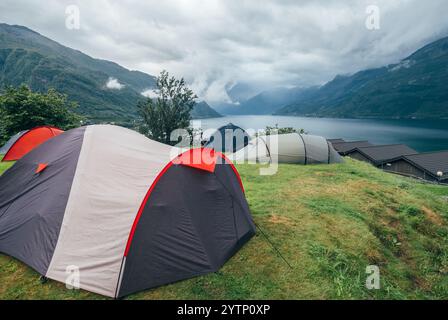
[[30, 140]]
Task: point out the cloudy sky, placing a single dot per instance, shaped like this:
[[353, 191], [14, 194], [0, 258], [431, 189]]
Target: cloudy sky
[[257, 44]]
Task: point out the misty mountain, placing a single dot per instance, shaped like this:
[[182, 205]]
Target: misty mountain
[[240, 92], [267, 102], [202, 111], [104, 90], [417, 87]]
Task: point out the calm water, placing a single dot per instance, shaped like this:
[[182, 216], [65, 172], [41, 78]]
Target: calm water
[[422, 135]]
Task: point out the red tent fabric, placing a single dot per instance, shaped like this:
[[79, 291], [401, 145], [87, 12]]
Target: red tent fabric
[[30, 140], [203, 158]]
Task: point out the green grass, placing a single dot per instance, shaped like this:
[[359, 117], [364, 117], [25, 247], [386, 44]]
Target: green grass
[[4, 165], [329, 222]]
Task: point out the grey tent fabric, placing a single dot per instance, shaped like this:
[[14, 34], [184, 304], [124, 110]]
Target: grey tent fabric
[[318, 150], [288, 148], [229, 138], [32, 204], [11, 141], [335, 157]]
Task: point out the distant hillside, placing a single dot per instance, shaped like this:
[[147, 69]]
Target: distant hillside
[[104, 90], [417, 87], [202, 110]]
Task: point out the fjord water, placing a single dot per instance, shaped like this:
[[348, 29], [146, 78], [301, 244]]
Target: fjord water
[[421, 135]]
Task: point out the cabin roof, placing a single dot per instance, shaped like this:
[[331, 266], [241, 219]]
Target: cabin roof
[[344, 147], [431, 162], [339, 140], [379, 154]]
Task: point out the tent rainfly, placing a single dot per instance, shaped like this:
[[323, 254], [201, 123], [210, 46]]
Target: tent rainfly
[[127, 211], [25, 141], [11, 141], [229, 138], [289, 148]]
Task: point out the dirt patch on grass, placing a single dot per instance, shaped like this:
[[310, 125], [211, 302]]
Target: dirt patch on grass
[[325, 174], [432, 216], [375, 257], [276, 219], [313, 186], [422, 284]]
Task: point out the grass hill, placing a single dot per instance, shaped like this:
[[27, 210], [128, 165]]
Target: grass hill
[[417, 87], [104, 90], [329, 222]]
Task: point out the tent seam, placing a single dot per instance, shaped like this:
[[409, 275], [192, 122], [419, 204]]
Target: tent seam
[[304, 148]]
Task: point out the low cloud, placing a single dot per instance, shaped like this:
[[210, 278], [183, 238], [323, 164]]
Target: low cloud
[[114, 84], [215, 43], [150, 93]]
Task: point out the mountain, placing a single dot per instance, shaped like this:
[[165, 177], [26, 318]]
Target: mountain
[[202, 111], [104, 90], [417, 87], [269, 101], [240, 92], [237, 94], [226, 107]]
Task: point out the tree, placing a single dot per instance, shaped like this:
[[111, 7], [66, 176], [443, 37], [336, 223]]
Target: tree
[[169, 111], [22, 109], [3, 134], [282, 130]]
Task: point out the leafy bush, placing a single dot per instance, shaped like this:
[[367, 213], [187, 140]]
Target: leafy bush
[[281, 130], [171, 110], [22, 109]]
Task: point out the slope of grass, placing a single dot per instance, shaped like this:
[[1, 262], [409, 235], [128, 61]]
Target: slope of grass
[[4, 165], [330, 223]]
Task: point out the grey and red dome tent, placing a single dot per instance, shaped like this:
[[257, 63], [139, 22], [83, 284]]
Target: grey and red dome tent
[[11, 141], [25, 141], [129, 212], [228, 138]]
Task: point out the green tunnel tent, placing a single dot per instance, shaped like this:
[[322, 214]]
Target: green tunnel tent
[[289, 148]]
